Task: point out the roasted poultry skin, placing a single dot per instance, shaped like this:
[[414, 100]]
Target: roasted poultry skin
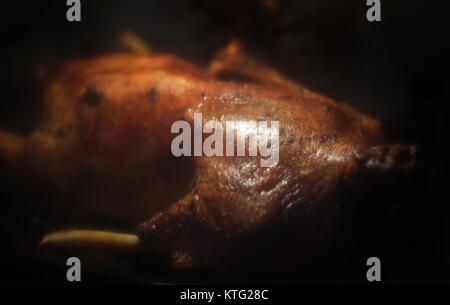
[[103, 148]]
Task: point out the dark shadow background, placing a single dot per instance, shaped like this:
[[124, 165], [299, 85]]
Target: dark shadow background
[[397, 70]]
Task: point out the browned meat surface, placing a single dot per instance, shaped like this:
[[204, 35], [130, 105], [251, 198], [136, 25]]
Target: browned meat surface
[[104, 149]]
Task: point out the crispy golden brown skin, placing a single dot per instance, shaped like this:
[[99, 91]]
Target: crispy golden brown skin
[[107, 128]]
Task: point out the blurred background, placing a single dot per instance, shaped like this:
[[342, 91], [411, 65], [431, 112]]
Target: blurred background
[[396, 70]]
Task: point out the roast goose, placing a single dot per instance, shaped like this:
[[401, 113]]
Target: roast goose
[[103, 149]]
